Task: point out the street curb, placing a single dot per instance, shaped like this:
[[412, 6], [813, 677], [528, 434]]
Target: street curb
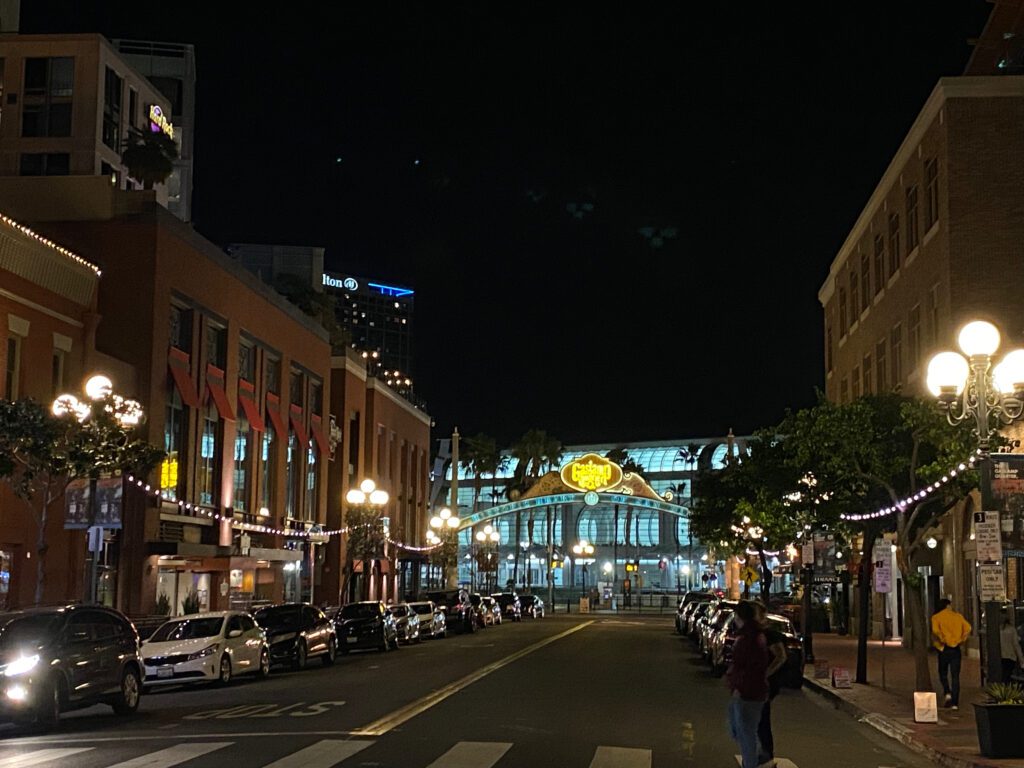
[[892, 729]]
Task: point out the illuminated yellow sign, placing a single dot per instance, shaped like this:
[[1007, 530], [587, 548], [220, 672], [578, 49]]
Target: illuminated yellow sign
[[159, 120], [591, 473], [169, 471]]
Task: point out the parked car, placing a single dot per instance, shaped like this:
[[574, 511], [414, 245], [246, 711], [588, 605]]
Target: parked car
[[57, 659], [510, 606], [460, 615], [689, 602], [407, 622], [715, 621], [492, 611], [366, 624], [792, 673], [298, 632], [432, 620], [205, 647], [693, 620], [532, 606]]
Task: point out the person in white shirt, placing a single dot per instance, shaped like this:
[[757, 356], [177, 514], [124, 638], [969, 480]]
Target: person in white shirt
[[1009, 646]]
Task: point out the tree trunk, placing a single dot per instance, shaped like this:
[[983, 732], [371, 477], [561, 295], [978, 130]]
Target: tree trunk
[[519, 533], [366, 579], [41, 550], [766, 576], [919, 640]]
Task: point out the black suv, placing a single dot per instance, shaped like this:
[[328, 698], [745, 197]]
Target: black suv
[[297, 632], [366, 624], [57, 659], [459, 613]]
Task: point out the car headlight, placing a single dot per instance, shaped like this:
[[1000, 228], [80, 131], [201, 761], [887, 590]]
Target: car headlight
[[207, 651], [21, 666]]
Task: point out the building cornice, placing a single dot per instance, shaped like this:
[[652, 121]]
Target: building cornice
[[345, 363], [947, 88], [33, 257], [378, 386]]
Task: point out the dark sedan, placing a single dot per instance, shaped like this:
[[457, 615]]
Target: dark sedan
[[532, 606], [459, 613], [510, 606], [298, 632], [366, 624]]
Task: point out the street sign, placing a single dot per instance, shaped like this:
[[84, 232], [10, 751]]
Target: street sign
[[990, 583], [881, 557], [749, 575], [987, 537]]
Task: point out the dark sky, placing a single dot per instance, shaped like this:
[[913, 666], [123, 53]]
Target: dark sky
[[553, 147]]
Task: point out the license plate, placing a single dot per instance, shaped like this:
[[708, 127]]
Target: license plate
[[165, 672], [351, 639]]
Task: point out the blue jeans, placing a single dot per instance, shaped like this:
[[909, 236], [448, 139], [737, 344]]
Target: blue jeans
[[744, 716], [949, 673]]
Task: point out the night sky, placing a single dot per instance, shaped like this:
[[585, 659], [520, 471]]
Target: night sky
[[616, 223]]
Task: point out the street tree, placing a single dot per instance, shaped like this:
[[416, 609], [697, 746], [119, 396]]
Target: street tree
[[883, 451], [149, 156], [535, 450], [41, 454]]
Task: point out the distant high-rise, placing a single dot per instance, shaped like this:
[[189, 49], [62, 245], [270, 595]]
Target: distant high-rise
[[171, 67]]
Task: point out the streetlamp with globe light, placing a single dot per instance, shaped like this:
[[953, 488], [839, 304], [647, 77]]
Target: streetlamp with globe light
[[443, 534], [969, 389], [584, 552], [367, 529], [487, 545]]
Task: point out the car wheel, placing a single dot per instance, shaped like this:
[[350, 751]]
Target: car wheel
[[264, 672], [48, 712], [300, 656], [332, 651], [394, 643], [224, 676], [131, 691]]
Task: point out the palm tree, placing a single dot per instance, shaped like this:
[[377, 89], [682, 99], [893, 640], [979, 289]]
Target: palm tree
[[535, 449], [476, 459], [149, 156], [688, 455]]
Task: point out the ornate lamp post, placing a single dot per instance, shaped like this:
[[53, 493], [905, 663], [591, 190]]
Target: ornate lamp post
[[584, 552], [367, 530], [971, 389], [443, 534], [487, 556], [126, 414]]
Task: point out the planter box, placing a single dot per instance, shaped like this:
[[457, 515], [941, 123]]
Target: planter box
[[1000, 729]]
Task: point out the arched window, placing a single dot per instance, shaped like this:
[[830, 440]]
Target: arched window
[[644, 527]]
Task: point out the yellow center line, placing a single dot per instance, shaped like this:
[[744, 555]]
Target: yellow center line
[[409, 711]]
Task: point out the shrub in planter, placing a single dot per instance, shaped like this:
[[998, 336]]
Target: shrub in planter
[[1000, 721]]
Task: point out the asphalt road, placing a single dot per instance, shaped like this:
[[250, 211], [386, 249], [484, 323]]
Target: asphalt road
[[579, 692]]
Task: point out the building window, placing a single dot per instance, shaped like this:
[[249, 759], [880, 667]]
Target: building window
[[914, 336], [879, 259], [294, 475], [316, 397], [933, 312], [113, 95], [866, 373], [48, 90], [216, 345], [246, 361], [844, 391], [133, 107], [311, 483], [865, 281], [843, 325], [243, 439], [931, 187], [208, 457], [855, 382], [353, 443], [180, 328], [881, 385], [912, 230], [828, 347], [57, 372], [12, 372], [854, 296], [896, 350], [273, 375], [45, 164], [268, 467], [894, 243], [174, 431], [295, 387]]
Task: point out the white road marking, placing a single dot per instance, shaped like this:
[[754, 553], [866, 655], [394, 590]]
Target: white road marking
[[165, 758], [168, 737], [39, 756], [472, 754], [323, 754], [780, 762], [621, 757]]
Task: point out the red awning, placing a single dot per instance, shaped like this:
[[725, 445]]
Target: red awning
[[220, 399], [274, 412], [252, 413], [183, 383], [317, 428], [295, 415]]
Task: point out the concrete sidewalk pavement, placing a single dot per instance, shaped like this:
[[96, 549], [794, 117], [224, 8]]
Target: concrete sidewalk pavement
[[952, 742]]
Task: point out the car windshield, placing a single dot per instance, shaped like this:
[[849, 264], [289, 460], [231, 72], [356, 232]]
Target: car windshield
[[359, 611], [527, 599], [780, 625], [399, 610], [423, 608], [504, 599], [27, 630], [279, 617], [187, 629]]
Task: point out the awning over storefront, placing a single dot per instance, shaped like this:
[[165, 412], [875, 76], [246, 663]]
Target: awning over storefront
[[274, 412], [252, 411], [177, 364], [317, 428], [220, 398], [295, 415]]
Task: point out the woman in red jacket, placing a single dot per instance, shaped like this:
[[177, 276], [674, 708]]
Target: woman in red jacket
[[748, 681]]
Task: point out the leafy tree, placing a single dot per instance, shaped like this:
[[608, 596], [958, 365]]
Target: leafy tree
[[149, 156], [534, 451], [480, 456], [882, 451], [40, 454]]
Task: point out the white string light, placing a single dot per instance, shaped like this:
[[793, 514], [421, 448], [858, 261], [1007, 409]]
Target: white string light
[[921, 495], [45, 241]]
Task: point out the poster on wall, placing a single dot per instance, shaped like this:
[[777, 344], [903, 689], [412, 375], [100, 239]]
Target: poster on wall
[[109, 502]]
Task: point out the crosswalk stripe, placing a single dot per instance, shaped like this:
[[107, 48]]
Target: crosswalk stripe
[[780, 762], [323, 754], [621, 757], [165, 758], [472, 754], [39, 756]]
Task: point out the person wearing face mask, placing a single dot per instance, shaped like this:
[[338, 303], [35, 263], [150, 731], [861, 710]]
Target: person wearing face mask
[[748, 681]]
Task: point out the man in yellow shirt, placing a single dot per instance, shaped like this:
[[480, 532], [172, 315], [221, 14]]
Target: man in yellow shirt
[[950, 630]]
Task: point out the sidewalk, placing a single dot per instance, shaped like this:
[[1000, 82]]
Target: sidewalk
[[952, 742]]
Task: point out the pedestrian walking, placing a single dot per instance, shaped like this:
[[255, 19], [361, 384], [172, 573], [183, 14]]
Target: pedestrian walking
[[776, 643], [949, 630], [1009, 647], [748, 681]]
